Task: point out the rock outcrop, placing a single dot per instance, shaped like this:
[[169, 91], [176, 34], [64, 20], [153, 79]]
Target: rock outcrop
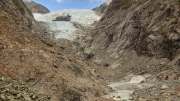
[[147, 27], [65, 17], [35, 61], [36, 8]]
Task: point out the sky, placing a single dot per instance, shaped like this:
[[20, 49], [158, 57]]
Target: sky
[[54, 5]]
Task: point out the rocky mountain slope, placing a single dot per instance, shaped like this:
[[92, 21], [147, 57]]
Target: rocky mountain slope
[[149, 28], [36, 8], [35, 61]]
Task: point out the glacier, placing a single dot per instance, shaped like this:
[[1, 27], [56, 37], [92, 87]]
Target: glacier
[[67, 29]]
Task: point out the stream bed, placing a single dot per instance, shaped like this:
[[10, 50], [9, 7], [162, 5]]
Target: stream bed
[[123, 90]]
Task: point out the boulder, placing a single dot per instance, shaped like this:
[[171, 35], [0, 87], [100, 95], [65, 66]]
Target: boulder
[[137, 79], [164, 86]]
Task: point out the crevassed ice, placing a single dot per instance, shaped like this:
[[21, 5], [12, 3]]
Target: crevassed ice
[[84, 17]]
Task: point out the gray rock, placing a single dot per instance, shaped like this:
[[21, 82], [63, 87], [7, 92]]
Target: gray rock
[[54, 98], [164, 86], [138, 79], [27, 98]]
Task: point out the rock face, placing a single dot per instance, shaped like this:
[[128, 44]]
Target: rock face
[[35, 61], [102, 8], [147, 27], [36, 8]]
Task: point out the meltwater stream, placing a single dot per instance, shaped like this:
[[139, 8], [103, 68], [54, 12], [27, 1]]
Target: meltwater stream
[[66, 29]]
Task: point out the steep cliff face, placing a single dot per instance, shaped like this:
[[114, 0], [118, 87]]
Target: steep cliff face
[[36, 8], [35, 61], [150, 27]]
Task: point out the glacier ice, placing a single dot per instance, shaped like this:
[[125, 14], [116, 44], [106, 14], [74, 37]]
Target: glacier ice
[[66, 29]]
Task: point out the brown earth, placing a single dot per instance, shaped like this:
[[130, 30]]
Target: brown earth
[[7, 73]]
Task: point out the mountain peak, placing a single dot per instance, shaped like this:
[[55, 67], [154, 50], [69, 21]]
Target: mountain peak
[[35, 7]]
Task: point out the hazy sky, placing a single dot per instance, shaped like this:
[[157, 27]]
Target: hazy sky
[[54, 5]]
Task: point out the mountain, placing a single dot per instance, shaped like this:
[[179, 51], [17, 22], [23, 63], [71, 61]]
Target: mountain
[[36, 8], [35, 61], [149, 28]]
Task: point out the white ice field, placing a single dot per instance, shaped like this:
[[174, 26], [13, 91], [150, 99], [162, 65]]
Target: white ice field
[[66, 29]]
